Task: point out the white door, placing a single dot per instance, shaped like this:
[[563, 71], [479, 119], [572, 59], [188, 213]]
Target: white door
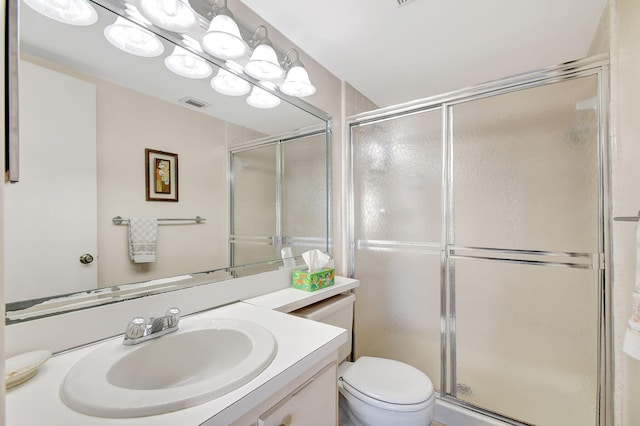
[[51, 214]]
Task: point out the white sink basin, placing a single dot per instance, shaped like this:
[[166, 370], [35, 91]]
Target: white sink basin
[[201, 361]]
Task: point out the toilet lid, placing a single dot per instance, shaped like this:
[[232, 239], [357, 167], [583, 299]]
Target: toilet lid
[[389, 381]]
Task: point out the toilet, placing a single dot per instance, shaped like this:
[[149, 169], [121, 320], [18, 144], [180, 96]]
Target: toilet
[[373, 391]]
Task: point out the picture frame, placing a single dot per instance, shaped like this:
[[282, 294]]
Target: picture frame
[[161, 175]]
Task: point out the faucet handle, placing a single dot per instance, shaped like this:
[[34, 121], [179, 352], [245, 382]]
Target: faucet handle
[[173, 317], [135, 328]]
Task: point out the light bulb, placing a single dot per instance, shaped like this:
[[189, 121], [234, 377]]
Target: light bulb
[[263, 64], [297, 83], [131, 38], [260, 98], [223, 39], [72, 12], [187, 64], [172, 15], [230, 84]]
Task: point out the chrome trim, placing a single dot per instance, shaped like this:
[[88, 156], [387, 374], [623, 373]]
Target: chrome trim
[[271, 140], [453, 347], [251, 145], [605, 359], [351, 205], [524, 262], [452, 354], [329, 182], [452, 249], [119, 220], [311, 242], [247, 239], [12, 46], [536, 257], [447, 236], [394, 116], [231, 199], [537, 77], [279, 182], [398, 246]]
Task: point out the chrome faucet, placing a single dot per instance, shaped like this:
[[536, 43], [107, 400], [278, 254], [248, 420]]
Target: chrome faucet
[[139, 330]]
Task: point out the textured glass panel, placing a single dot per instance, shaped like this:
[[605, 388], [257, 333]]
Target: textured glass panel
[[527, 341], [304, 188], [525, 167], [254, 192], [397, 178], [397, 313], [245, 254]]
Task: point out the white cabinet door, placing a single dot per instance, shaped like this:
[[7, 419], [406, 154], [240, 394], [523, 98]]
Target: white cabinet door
[[51, 214], [313, 403]]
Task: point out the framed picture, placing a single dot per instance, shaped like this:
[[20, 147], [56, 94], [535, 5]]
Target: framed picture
[[162, 175]]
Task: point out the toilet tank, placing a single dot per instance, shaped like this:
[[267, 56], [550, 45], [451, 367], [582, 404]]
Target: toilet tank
[[336, 311]]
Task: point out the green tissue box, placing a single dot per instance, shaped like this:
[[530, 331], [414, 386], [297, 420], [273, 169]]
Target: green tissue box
[[312, 281]]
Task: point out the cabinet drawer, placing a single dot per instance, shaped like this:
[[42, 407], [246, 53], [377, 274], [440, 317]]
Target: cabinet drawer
[[315, 402]]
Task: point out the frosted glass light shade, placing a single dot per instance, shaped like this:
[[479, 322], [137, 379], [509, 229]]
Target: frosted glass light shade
[[297, 83], [260, 98], [229, 84], [186, 64], [223, 39], [263, 64], [131, 38], [72, 12], [172, 15]]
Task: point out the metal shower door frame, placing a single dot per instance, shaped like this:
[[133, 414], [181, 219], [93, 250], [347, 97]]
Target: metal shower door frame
[[598, 66], [278, 240]]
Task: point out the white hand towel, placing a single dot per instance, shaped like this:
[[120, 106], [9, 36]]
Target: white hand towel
[[631, 344], [143, 235]]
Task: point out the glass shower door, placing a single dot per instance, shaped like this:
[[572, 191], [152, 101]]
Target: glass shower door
[[253, 205], [305, 194], [397, 168], [272, 204], [524, 258]]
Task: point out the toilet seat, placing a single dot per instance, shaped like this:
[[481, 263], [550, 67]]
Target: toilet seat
[[388, 384], [372, 402]]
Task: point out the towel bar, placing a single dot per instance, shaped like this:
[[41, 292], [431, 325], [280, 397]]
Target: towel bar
[[119, 220]]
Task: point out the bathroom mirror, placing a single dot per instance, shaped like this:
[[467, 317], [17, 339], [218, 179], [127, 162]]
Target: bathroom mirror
[[89, 113]]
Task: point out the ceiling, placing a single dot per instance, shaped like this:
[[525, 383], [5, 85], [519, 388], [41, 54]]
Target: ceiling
[[394, 54]]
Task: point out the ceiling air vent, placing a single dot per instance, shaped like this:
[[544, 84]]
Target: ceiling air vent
[[403, 2], [193, 102]]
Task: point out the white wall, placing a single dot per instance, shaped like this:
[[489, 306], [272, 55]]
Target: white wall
[[129, 122], [626, 194]]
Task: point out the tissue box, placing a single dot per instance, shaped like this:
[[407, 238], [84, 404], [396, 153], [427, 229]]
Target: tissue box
[[312, 281]]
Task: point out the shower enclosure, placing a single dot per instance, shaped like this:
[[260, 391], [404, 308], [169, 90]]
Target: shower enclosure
[[479, 239], [279, 198]]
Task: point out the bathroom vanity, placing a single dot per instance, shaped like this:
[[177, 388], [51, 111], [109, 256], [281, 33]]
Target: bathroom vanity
[[300, 382]]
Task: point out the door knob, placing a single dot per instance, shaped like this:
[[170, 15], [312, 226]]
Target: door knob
[[86, 258]]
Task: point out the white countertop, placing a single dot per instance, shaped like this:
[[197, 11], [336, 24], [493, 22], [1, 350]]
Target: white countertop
[[290, 299], [301, 344]]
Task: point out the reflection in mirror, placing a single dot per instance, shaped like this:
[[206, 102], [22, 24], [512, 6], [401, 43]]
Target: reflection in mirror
[[88, 111], [295, 171]]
